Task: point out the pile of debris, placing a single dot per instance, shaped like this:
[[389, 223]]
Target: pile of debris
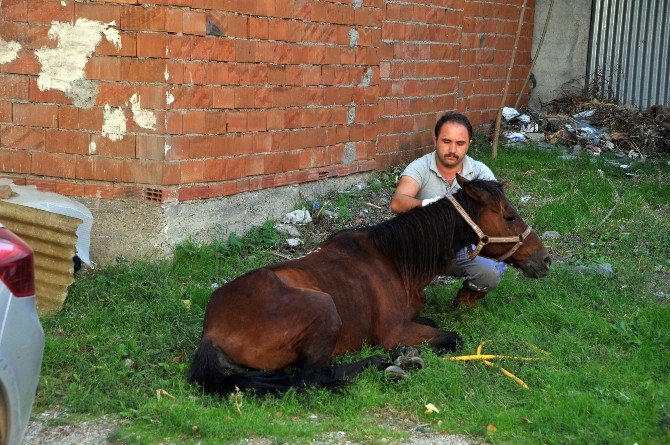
[[592, 125]]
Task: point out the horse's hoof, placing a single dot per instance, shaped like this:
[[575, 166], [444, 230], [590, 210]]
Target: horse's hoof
[[380, 362], [409, 363], [395, 373], [407, 351]]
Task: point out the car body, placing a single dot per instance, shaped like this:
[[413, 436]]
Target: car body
[[21, 337]]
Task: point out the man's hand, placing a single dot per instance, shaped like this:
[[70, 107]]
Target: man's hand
[[405, 195], [427, 201]]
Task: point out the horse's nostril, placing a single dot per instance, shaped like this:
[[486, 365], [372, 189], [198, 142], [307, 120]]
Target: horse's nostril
[[547, 261]]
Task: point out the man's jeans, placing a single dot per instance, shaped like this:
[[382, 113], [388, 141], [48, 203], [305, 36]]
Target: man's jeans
[[481, 274]]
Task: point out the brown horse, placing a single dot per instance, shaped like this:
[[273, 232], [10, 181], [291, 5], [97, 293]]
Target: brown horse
[[278, 327]]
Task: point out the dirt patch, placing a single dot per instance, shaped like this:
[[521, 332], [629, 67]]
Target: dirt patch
[[49, 428]]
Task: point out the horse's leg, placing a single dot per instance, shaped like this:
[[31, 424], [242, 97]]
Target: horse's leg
[[426, 321], [315, 367], [415, 334], [350, 370]]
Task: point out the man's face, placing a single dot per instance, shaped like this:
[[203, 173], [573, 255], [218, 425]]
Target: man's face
[[452, 144]]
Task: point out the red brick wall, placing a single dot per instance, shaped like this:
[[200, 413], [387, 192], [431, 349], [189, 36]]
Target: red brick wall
[[487, 41], [246, 94], [445, 55]]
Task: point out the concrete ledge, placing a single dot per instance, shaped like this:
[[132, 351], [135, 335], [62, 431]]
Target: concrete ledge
[[136, 229]]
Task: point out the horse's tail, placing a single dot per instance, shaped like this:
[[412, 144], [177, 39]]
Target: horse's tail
[[207, 371]]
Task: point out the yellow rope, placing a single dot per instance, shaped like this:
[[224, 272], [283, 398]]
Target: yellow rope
[[485, 358]]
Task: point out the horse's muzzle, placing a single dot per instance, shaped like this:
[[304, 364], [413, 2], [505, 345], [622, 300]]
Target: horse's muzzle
[[537, 266]]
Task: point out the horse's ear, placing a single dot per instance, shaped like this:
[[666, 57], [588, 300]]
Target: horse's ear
[[473, 193], [461, 180]]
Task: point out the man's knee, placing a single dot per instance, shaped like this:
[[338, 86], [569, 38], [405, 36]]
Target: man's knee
[[485, 277]]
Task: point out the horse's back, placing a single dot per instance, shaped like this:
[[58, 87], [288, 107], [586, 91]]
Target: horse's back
[[262, 323]]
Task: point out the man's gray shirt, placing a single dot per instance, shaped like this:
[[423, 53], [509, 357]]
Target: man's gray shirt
[[424, 171]]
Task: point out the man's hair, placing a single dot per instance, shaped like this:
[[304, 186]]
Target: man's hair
[[453, 116]]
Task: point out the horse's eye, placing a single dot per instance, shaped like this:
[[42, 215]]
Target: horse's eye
[[510, 218]]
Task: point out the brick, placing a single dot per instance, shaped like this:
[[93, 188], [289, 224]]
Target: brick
[[150, 147], [213, 170], [171, 173], [5, 111], [143, 70], [13, 86], [98, 168], [204, 122], [202, 48], [114, 94], [103, 68], [153, 45], [53, 164], [244, 97], [25, 63], [245, 51], [75, 118], [126, 49], [192, 171], [223, 97], [123, 148], [174, 124], [257, 121], [153, 96], [192, 193], [195, 73], [12, 161], [177, 148], [37, 115], [25, 138], [100, 12], [46, 11], [174, 20], [276, 119], [130, 2], [258, 28], [142, 171], [135, 18], [233, 144], [65, 141], [30, 37], [51, 96], [236, 121], [192, 97], [237, 27], [14, 10], [70, 188], [194, 22], [235, 168], [179, 47]]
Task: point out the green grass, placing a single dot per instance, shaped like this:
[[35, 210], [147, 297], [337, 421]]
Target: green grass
[[128, 330]]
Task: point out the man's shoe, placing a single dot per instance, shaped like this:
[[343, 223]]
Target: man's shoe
[[468, 296]]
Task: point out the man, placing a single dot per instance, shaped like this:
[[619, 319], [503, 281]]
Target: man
[[432, 176]]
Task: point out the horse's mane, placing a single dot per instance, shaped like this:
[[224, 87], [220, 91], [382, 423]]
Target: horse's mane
[[421, 241]]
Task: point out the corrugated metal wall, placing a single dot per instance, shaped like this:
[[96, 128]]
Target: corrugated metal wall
[[53, 238], [630, 49]]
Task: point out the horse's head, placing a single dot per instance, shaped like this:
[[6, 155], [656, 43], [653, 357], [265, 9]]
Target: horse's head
[[503, 234]]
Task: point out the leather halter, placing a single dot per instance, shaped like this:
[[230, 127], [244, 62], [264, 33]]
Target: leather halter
[[485, 239]]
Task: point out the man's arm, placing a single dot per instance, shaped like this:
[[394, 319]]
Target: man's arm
[[404, 198]]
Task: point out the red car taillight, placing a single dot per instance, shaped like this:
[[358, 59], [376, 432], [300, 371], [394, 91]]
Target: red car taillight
[[16, 264]]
